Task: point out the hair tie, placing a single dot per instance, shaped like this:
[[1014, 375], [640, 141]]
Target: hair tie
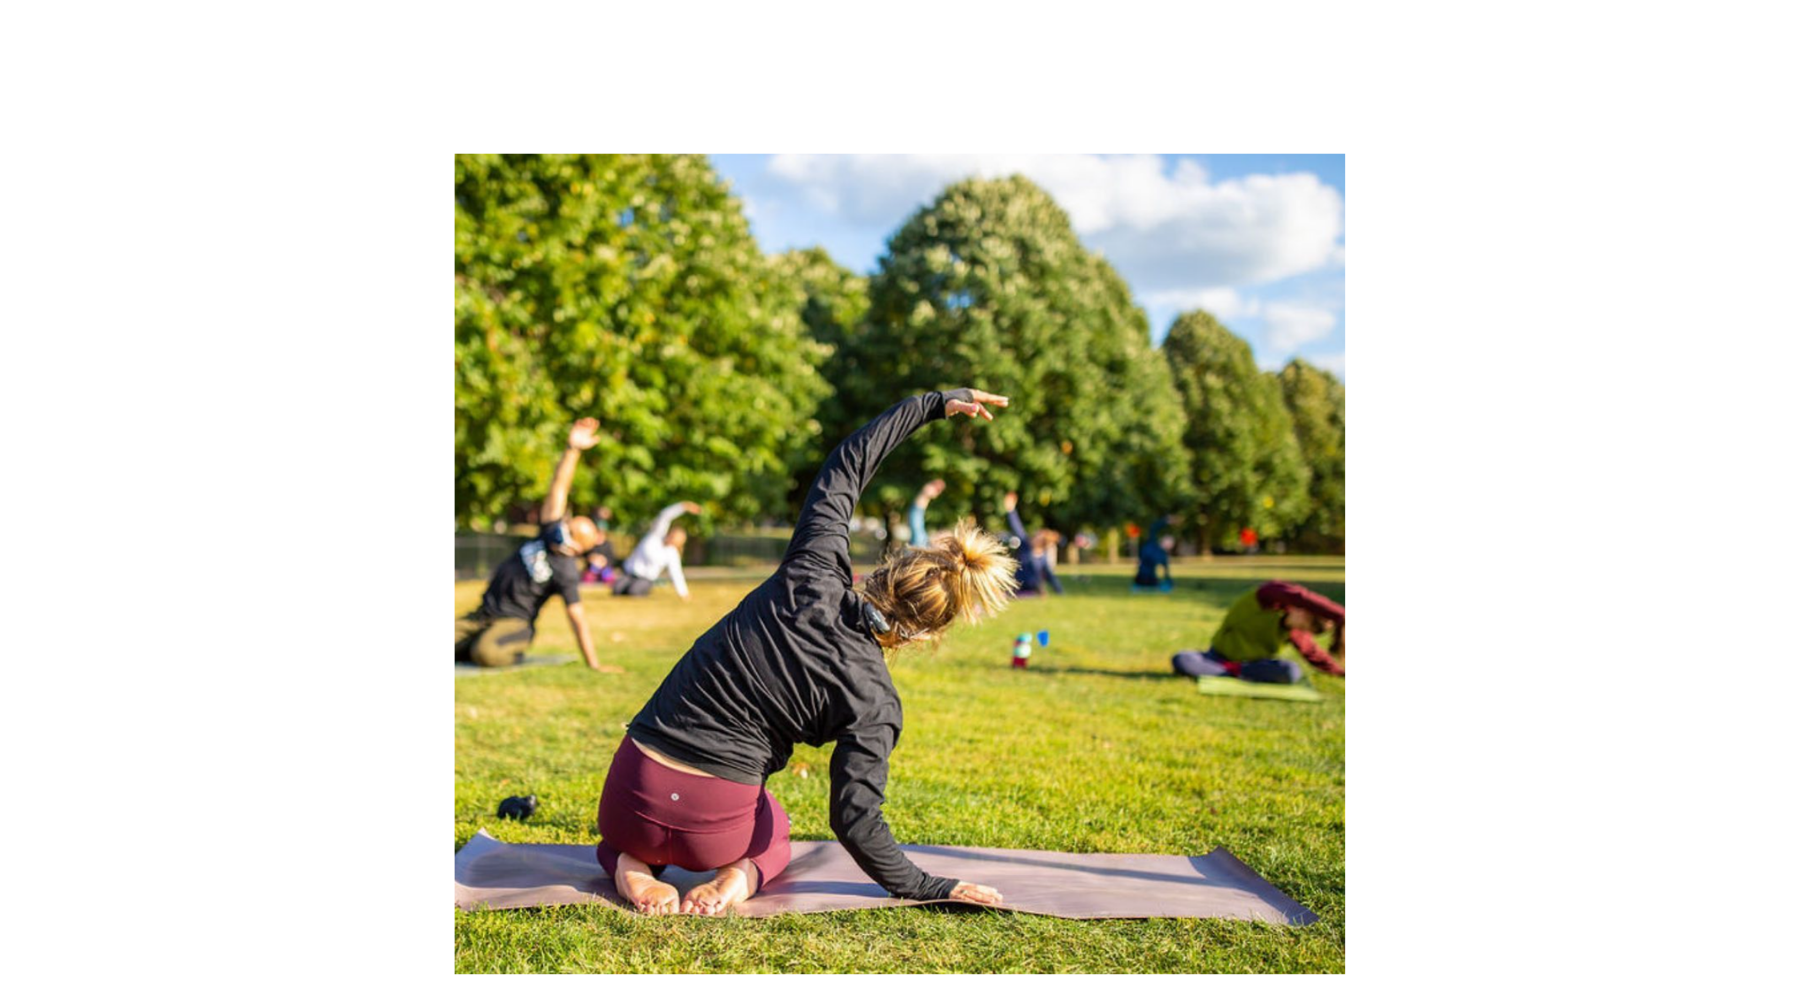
[[874, 620]]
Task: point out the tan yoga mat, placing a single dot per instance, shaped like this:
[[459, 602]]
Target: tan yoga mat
[[822, 876]]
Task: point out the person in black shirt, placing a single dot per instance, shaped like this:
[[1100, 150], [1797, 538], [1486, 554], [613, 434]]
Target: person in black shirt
[[498, 633], [800, 660]]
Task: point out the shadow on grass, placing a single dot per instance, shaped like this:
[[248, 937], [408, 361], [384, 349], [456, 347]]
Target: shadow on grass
[[1217, 591], [1101, 672]]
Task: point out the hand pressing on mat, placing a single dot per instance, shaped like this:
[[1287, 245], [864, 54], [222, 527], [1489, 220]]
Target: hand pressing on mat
[[641, 889], [969, 892]]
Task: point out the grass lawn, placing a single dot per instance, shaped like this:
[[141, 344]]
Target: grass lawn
[[1098, 747]]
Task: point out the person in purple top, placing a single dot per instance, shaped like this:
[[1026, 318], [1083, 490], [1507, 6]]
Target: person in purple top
[[799, 660]]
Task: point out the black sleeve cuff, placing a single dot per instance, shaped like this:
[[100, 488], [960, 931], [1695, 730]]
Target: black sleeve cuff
[[935, 888]]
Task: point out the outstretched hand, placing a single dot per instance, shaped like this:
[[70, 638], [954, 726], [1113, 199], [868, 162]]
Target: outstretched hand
[[585, 434], [972, 402], [1012, 501], [969, 892]]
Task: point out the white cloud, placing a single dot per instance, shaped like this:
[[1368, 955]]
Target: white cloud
[[1224, 303], [1168, 229], [1286, 327], [1333, 363]]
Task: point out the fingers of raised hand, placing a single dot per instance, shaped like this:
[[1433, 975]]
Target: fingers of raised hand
[[972, 395], [583, 434]]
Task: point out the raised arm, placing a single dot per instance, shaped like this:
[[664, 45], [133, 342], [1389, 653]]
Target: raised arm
[[581, 437], [1016, 526], [915, 517], [823, 528], [665, 518]]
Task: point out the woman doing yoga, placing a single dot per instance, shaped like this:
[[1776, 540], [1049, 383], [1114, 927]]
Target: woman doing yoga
[[800, 660]]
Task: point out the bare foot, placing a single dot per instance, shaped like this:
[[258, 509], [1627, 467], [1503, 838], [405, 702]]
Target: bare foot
[[607, 668], [633, 880], [730, 885]]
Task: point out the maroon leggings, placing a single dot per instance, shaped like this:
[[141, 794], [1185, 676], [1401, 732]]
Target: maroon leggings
[[662, 816]]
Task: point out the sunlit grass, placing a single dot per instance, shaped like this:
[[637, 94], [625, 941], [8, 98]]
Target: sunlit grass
[[1098, 747]]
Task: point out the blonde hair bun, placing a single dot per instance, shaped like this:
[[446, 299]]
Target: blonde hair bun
[[967, 574], [988, 574]]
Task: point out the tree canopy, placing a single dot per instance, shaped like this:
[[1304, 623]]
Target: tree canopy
[[1247, 467], [1315, 399], [627, 288], [988, 285]]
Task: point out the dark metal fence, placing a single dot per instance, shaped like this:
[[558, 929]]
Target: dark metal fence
[[478, 554]]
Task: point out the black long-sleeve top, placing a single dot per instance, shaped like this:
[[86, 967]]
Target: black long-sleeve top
[[795, 662]]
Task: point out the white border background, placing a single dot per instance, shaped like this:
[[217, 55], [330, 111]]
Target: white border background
[[1571, 259]]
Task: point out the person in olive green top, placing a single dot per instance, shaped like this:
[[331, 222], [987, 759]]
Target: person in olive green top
[[1254, 629]]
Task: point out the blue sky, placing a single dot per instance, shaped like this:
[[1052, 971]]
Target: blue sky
[[1256, 240]]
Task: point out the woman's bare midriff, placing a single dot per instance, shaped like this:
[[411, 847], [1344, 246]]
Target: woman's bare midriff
[[667, 761]]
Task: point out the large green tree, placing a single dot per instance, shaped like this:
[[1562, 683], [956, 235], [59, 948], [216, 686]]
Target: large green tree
[[989, 286], [1315, 400], [1247, 467], [835, 302], [628, 288]]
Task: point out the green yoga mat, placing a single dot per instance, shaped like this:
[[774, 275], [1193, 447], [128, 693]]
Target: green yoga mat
[[1234, 687]]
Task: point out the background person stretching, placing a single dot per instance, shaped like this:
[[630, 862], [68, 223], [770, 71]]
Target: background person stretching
[[603, 562], [1153, 552], [799, 660], [658, 550], [915, 517], [498, 633], [1252, 632], [1034, 562]]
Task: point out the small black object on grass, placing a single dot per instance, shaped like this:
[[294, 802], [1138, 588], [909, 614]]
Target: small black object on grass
[[518, 807]]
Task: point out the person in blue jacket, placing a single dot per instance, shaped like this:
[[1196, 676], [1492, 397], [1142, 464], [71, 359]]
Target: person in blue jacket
[[1035, 570], [915, 517], [1153, 554]]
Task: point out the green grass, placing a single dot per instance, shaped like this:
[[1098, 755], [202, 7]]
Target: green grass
[[1098, 747]]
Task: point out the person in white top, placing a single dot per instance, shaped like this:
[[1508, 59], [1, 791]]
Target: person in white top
[[658, 550]]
